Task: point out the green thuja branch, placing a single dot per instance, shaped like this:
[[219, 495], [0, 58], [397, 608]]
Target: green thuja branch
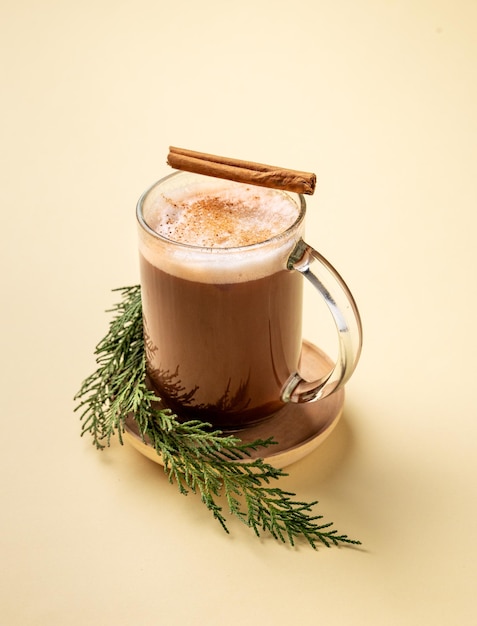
[[198, 459], [117, 386]]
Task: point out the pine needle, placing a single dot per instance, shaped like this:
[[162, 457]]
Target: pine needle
[[196, 458]]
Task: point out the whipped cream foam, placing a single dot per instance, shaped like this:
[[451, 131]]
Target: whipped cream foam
[[223, 218], [219, 224]]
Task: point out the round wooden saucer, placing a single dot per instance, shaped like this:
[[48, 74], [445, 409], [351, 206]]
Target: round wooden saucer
[[298, 429]]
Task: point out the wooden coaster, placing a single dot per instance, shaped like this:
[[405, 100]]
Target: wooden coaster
[[298, 429]]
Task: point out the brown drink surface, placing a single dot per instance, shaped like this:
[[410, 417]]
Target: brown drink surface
[[222, 322]]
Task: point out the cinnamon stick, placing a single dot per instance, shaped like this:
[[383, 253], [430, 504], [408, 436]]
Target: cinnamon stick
[[241, 171]]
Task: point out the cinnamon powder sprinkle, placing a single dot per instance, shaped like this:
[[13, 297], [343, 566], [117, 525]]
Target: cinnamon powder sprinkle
[[224, 221]]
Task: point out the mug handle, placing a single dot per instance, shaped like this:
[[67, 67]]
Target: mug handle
[[345, 315]]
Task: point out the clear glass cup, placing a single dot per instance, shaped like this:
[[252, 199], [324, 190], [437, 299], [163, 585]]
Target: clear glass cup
[[222, 326]]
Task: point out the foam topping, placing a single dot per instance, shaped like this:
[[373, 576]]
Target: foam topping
[[223, 217]]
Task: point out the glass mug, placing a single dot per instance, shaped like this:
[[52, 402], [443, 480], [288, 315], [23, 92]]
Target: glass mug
[[222, 325]]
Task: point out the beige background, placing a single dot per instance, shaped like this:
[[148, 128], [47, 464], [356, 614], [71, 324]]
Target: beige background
[[380, 99]]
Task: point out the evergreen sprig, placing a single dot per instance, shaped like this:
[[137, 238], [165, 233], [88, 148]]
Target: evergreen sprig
[[196, 457]]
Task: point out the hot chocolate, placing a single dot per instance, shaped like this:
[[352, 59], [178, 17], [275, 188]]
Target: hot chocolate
[[222, 265], [222, 322], [221, 352]]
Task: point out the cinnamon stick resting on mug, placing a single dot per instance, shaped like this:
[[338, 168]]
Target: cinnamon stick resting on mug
[[241, 171]]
